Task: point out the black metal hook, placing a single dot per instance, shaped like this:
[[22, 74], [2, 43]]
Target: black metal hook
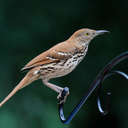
[[102, 111], [106, 71]]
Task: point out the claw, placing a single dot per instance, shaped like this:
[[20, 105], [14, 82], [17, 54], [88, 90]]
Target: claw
[[63, 95]]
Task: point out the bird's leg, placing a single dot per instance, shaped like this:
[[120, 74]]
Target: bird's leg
[[63, 92]]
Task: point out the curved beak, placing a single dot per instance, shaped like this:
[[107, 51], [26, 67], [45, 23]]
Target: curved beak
[[100, 32]]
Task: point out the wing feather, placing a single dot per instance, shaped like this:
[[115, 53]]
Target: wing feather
[[41, 59], [53, 55]]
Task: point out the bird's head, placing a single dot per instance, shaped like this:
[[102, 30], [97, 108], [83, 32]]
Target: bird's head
[[85, 35]]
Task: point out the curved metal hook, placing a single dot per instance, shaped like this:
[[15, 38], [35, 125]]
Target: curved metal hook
[[94, 84], [102, 111]]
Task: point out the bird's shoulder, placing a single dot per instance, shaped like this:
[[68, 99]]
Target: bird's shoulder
[[57, 53]]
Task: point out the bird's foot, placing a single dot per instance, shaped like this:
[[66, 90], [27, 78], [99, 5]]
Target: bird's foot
[[63, 95]]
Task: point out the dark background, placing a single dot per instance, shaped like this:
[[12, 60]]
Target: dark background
[[29, 27]]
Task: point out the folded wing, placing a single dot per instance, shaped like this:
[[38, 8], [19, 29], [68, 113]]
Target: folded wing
[[53, 55]]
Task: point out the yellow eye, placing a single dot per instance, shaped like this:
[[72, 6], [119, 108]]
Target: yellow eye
[[87, 34]]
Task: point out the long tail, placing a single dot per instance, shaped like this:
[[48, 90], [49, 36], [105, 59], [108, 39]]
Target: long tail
[[29, 78]]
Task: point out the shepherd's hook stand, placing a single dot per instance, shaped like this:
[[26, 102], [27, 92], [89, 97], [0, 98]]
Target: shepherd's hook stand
[[105, 73]]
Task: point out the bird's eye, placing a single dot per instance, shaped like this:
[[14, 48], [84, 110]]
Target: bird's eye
[[87, 34]]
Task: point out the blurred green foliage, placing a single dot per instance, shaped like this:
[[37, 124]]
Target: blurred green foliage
[[29, 27]]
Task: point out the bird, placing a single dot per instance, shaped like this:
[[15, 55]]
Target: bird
[[58, 61]]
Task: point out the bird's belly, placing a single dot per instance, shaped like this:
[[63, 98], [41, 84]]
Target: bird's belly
[[62, 68], [71, 64]]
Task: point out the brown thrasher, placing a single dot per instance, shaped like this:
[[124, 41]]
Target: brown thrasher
[[58, 61]]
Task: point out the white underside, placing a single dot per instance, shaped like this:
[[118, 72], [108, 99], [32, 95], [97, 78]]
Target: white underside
[[68, 67]]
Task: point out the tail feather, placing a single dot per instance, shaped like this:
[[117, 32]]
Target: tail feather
[[29, 78]]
